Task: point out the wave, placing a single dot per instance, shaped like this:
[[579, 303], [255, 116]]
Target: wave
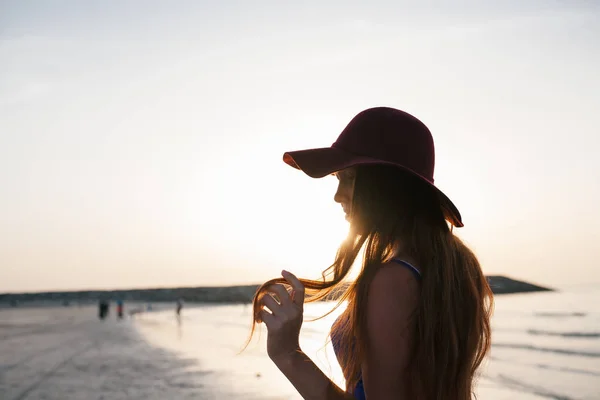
[[547, 349], [564, 334], [546, 366], [560, 314], [568, 369], [528, 388]]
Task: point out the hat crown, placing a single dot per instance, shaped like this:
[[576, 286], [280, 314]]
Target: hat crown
[[390, 135]]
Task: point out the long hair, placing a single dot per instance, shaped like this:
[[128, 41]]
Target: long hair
[[451, 332]]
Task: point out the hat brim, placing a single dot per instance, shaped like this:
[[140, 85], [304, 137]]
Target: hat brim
[[318, 163]]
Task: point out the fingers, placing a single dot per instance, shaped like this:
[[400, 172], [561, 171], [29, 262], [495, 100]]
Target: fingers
[[266, 317], [269, 301], [282, 306], [296, 285], [282, 294]]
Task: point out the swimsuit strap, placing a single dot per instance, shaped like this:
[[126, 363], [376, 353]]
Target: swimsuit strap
[[408, 265]]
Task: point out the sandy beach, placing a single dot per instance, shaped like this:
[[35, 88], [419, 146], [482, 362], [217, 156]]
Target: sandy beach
[[54, 353], [545, 346]]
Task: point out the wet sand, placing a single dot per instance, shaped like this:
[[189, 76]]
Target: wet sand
[[69, 353]]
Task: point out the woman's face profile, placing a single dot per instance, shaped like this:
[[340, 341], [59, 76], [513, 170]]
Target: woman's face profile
[[345, 190]]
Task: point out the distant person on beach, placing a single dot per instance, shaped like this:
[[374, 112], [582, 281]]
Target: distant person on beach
[[178, 308], [120, 309], [103, 309], [417, 324]]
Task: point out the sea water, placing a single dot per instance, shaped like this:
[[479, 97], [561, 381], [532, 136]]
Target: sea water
[[546, 345]]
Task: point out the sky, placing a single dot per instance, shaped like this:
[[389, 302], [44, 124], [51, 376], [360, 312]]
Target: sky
[[141, 141]]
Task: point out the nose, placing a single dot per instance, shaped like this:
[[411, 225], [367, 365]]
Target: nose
[[339, 196]]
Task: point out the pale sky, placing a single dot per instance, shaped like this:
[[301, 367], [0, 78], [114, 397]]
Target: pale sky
[[141, 142]]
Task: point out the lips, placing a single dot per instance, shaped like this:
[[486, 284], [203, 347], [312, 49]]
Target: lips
[[347, 216]]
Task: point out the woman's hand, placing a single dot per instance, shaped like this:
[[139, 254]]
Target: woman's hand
[[285, 319]]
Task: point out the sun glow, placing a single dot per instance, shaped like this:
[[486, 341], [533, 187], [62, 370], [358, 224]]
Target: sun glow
[[311, 228]]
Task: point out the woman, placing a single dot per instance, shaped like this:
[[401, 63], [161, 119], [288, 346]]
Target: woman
[[417, 325]]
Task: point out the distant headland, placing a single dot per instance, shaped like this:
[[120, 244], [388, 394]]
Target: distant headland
[[214, 295]]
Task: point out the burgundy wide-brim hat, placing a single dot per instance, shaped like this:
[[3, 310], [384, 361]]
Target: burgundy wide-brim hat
[[378, 135]]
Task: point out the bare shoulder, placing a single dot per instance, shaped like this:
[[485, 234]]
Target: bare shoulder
[[391, 303], [393, 277], [392, 298]]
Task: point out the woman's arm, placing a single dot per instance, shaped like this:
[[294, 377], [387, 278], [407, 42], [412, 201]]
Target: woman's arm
[[392, 300], [393, 297], [284, 323], [308, 379]]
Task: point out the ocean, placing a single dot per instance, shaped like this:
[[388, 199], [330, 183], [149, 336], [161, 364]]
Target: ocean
[[546, 345]]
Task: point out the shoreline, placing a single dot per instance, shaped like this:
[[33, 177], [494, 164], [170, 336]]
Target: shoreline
[[208, 295], [67, 353]]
